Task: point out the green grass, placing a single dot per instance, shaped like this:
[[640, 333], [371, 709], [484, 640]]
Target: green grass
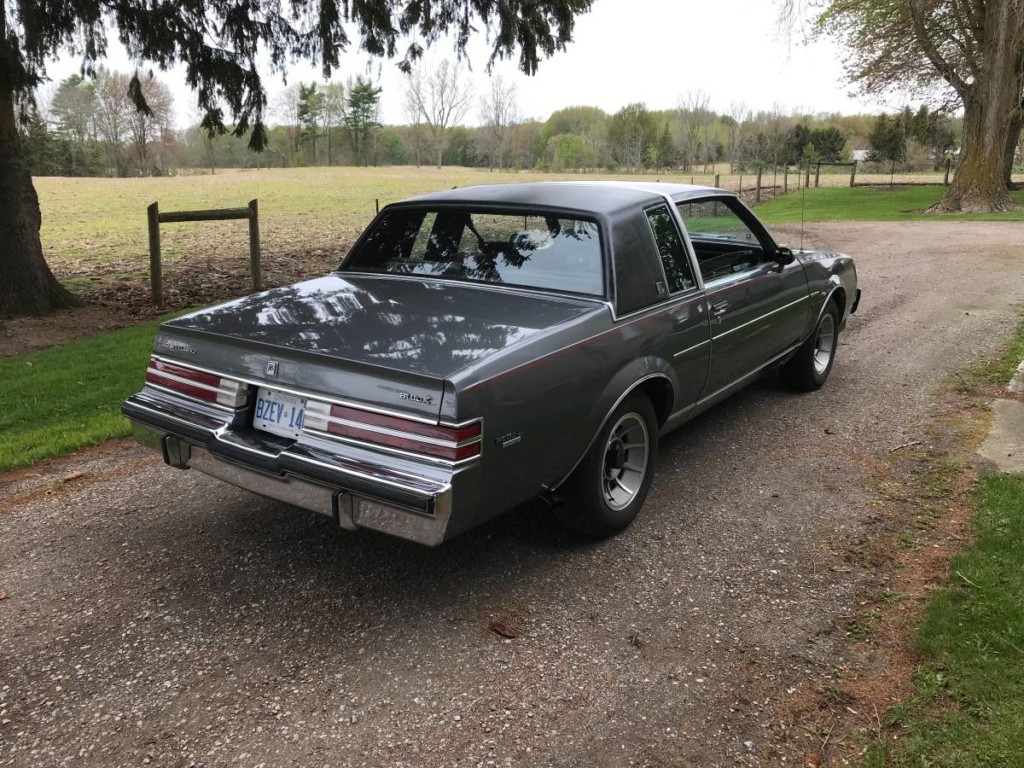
[[95, 221], [870, 204], [68, 397], [969, 706], [992, 373]]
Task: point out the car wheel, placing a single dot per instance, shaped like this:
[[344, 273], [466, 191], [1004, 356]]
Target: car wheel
[[811, 365], [610, 485]]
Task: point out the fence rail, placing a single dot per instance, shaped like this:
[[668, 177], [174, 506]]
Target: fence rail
[[156, 218]]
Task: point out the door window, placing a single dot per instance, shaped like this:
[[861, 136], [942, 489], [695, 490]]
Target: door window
[[722, 241]]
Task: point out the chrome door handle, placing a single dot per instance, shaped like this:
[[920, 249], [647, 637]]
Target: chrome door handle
[[719, 309]]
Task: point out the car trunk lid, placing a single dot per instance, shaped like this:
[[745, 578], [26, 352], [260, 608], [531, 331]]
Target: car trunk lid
[[388, 342]]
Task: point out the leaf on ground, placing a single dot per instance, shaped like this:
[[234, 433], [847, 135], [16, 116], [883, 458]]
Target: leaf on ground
[[505, 628]]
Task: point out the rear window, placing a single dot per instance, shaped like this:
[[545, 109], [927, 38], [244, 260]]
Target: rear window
[[527, 250]]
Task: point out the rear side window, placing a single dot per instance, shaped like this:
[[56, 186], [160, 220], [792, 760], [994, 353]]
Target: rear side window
[[671, 249], [531, 250]]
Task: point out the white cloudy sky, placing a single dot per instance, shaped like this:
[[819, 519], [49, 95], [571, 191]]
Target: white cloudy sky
[[654, 51]]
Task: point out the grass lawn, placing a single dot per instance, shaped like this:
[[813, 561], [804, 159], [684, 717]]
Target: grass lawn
[[969, 705], [68, 397], [870, 204]]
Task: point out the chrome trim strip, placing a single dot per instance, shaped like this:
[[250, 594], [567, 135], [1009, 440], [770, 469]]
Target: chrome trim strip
[[735, 383], [690, 349], [726, 280], [422, 458], [309, 395], [759, 318], [824, 306]]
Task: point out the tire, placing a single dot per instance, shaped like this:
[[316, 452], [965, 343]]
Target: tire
[[606, 491], [808, 369]]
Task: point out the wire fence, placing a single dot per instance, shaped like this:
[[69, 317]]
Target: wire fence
[[774, 181]]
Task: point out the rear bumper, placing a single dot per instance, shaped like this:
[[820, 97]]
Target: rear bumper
[[357, 487]]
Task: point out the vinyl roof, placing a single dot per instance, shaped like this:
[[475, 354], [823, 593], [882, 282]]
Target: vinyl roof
[[601, 197]]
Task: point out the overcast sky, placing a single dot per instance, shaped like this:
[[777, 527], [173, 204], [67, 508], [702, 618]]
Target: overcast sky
[[654, 51]]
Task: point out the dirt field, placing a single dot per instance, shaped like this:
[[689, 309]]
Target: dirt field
[[156, 616]]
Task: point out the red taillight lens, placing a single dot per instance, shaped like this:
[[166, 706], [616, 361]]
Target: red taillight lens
[[199, 384], [450, 443]]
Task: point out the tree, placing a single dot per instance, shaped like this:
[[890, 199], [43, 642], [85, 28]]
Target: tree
[[498, 113], [114, 113], [632, 132], [333, 112], [73, 112], [310, 109], [931, 129], [975, 51], [219, 42], [888, 142], [692, 116], [148, 127], [440, 99], [665, 154], [361, 117]]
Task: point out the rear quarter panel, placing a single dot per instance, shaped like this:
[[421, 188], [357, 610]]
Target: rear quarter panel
[[543, 405]]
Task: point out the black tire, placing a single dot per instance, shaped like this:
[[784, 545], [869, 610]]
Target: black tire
[[590, 507], [808, 369]]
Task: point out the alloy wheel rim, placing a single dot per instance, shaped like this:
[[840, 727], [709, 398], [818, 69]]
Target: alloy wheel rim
[[625, 461], [824, 344]]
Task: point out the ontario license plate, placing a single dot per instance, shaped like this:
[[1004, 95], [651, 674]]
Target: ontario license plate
[[278, 413]]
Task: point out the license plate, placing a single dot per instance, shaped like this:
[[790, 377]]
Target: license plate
[[278, 413]]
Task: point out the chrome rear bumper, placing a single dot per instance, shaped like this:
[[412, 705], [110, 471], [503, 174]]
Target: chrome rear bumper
[[358, 488]]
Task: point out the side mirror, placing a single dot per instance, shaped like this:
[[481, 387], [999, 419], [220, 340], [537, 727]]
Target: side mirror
[[784, 256]]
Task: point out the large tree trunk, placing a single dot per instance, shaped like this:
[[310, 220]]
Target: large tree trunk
[[991, 103], [1012, 139], [27, 287]]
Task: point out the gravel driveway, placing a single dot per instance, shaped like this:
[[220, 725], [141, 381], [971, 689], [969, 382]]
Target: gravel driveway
[[158, 617]]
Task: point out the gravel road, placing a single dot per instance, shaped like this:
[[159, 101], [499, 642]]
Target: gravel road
[[157, 617]]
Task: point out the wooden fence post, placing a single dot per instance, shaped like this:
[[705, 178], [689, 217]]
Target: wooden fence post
[[156, 279], [254, 245], [807, 175], [740, 191], [817, 175], [718, 176], [785, 179], [853, 172], [757, 189]]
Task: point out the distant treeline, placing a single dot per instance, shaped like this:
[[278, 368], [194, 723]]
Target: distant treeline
[[90, 127]]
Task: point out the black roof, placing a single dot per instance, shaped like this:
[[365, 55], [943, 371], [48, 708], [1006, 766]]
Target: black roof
[[597, 197]]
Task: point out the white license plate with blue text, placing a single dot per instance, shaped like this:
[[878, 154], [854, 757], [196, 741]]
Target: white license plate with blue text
[[278, 413]]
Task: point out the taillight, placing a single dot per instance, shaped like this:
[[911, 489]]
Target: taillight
[[450, 443], [199, 384]]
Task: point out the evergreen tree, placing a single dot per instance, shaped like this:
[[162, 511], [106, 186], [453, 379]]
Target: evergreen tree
[[219, 42]]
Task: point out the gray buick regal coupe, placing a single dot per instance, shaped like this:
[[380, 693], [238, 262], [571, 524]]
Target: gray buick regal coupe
[[484, 346]]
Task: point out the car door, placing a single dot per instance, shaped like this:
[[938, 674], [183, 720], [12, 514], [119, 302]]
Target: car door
[[757, 304], [684, 317]]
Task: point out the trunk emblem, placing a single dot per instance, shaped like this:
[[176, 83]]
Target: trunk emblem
[[272, 367]]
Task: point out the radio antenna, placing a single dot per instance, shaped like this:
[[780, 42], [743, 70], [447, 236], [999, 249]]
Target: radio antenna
[[803, 200]]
